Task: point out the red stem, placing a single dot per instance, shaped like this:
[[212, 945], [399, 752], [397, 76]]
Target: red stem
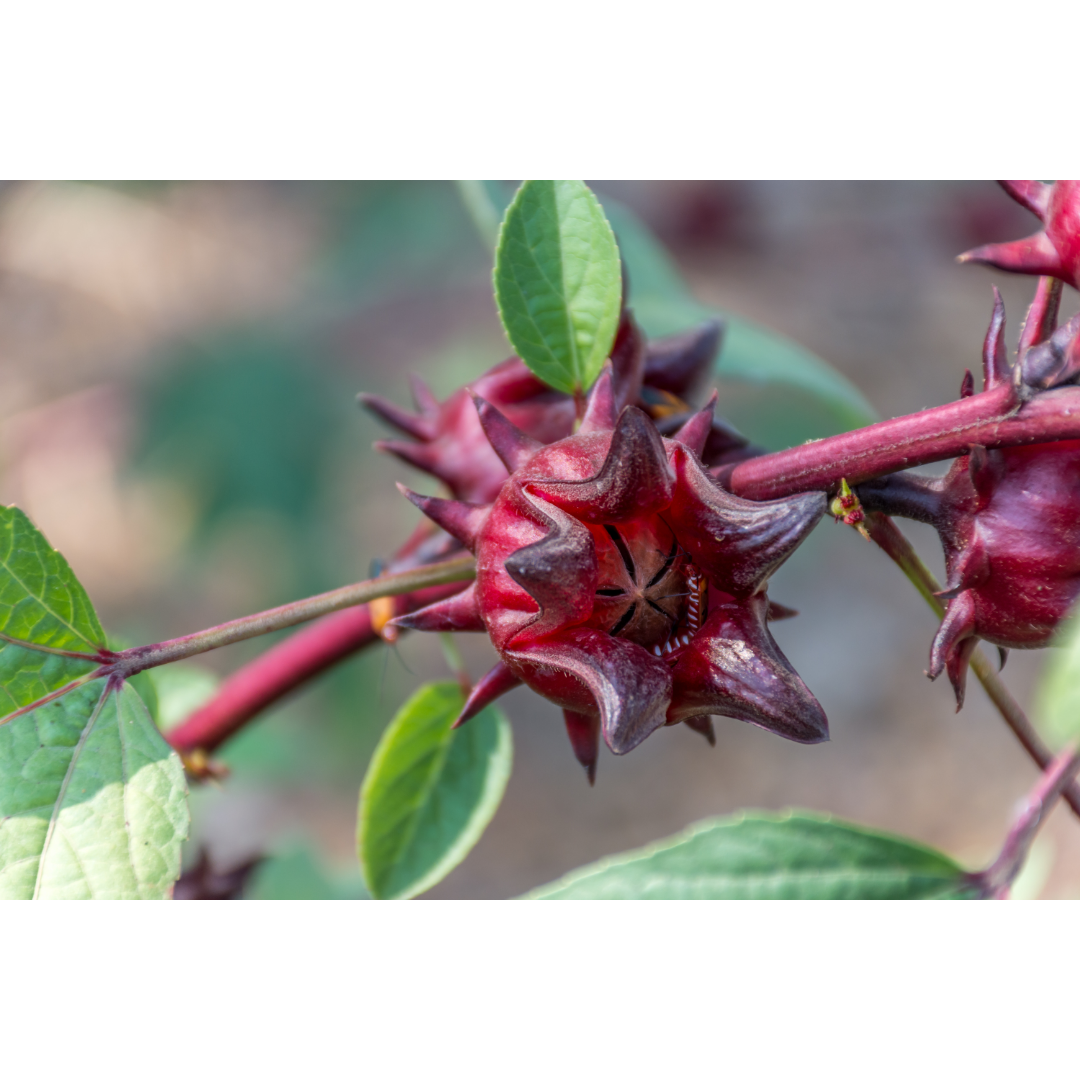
[[947, 431], [988, 419]]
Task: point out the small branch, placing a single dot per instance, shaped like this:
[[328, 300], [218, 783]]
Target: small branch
[[989, 419], [132, 661], [996, 879], [891, 540], [285, 667], [122, 665]]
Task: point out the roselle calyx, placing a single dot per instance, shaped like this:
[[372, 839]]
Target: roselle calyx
[[446, 440], [618, 580], [1054, 250], [1009, 518]]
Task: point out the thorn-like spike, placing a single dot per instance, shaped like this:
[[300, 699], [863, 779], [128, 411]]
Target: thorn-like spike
[[600, 412], [777, 612], [967, 384], [584, 732], [1003, 657], [419, 455], [1033, 255], [416, 426], [514, 447], [703, 725], [498, 681], [423, 398], [456, 614], [626, 685], [1041, 319], [737, 543], [732, 667], [1033, 195], [995, 362], [459, 519], [680, 363], [634, 481], [695, 432], [953, 643]]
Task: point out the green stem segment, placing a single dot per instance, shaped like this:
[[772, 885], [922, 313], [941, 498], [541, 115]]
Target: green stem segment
[[132, 661], [891, 540]]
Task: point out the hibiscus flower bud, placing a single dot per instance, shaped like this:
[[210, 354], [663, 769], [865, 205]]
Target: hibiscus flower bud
[[618, 580], [1008, 519], [1054, 250]]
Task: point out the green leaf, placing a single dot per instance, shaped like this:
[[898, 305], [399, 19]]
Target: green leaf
[[430, 791], [558, 283], [93, 802], [663, 304], [1057, 703], [757, 856], [41, 601]]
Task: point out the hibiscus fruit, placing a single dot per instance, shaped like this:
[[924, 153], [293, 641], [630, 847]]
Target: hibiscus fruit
[[1008, 519], [618, 580]]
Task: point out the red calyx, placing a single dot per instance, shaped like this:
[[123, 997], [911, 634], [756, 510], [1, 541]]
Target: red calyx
[[619, 581], [1054, 250], [447, 440], [1008, 519]]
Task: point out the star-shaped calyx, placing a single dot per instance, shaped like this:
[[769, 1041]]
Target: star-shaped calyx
[[616, 579], [1053, 251]]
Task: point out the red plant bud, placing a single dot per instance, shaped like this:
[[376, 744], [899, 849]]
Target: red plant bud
[[1008, 519], [1053, 251], [448, 441], [616, 579]]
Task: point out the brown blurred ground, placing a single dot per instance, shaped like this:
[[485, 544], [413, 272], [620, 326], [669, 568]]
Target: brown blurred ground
[[108, 295]]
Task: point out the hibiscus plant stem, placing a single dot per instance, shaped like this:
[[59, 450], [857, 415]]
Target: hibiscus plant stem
[[884, 532], [996, 880]]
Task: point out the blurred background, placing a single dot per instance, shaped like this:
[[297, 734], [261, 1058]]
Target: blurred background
[[178, 371]]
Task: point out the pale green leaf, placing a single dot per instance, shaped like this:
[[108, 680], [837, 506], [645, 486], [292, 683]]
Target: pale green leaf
[[93, 803], [757, 856], [558, 284], [430, 791]]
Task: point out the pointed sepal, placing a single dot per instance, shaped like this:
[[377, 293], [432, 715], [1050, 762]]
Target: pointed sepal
[[1033, 195], [995, 362], [584, 733], [461, 520], [732, 667], [514, 447], [1033, 255], [1041, 319], [954, 643], [588, 671], [680, 363], [558, 571], [600, 412], [498, 681], [703, 725], [456, 614], [736, 542], [695, 433], [634, 480], [419, 427]]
